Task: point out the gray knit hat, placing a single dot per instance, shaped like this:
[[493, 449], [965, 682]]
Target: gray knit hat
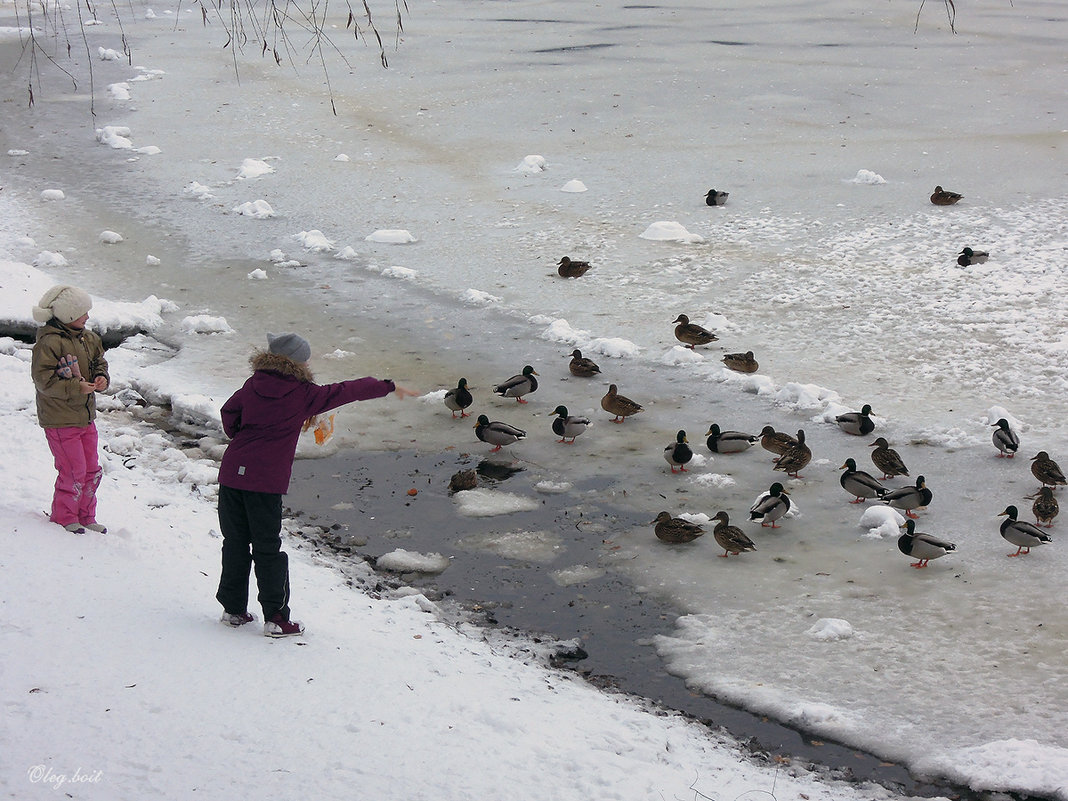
[[292, 346], [65, 303]]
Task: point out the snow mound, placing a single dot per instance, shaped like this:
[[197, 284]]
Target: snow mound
[[830, 628], [666, 231], [402, 561], [390, 236]]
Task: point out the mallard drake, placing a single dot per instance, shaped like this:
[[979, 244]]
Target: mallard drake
[[793, 461], [1046, 470], [942, 197], [581, 366], [566, 425], [730, 538], [678, 453], [675, 529], [729, 441], [770, 506], [572, 269], [777, 442], [1045, 506], [1005, 439], [859, 424], [908, 498], [496, 433], [459, 398], [1021, 534], [714, 198], [692, 334], [922, 546], [741, 362], [619, 405], [968, 257], [887, 459], [518, 385], [859, 484]]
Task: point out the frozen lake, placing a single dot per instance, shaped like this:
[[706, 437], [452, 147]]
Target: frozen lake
[[829, 123]]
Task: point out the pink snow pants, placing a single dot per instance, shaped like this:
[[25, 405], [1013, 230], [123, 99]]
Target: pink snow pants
[[74, 449]]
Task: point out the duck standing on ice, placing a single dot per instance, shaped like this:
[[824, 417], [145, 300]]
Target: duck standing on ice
[[518, 385], [692, 334]]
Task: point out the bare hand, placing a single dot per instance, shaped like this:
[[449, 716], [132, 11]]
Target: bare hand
[[100, 383], [86, 387], [403, 393]]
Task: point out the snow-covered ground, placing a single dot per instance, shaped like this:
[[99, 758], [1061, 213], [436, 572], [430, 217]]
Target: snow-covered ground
[[416, 234]]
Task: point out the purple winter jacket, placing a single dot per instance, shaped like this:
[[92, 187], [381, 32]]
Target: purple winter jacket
[[264, 419]]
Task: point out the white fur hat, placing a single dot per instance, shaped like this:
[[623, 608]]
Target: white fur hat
[[65, 303]]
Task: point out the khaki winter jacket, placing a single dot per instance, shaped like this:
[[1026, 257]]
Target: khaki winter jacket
[[60, 401]]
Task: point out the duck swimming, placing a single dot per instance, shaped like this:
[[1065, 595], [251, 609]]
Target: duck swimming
[[619, 405], [692, 334], [459, 398], [771, 506], [922, 546], [1021, 534], [566, 425], [518, 385], [496, 433], [676, 530], [730, 538], [678, 453]]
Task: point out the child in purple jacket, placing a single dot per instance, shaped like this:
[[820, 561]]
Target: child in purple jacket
[[263, 420]]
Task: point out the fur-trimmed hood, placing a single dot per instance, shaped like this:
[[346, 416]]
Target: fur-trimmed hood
[[272, 362]]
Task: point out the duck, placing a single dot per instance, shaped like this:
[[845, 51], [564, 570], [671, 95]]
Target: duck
[[714, 198], [1045, 506], [923, 547], [858, 424], [678, 453], [619, 405], [771, 506], [567, 425], [796, 458], [909, 498], [581, 366], [1020, 533], [497, 433], [1005, 439], [729, 441], [968, 257], [572, 269], [1046, 470], [463, 480], [777, 442], [459, 399], [692, 334], [860, 484], [676, 530], [741, 362], [518, 385], [730, 538], [943, 197], [887, 459]]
